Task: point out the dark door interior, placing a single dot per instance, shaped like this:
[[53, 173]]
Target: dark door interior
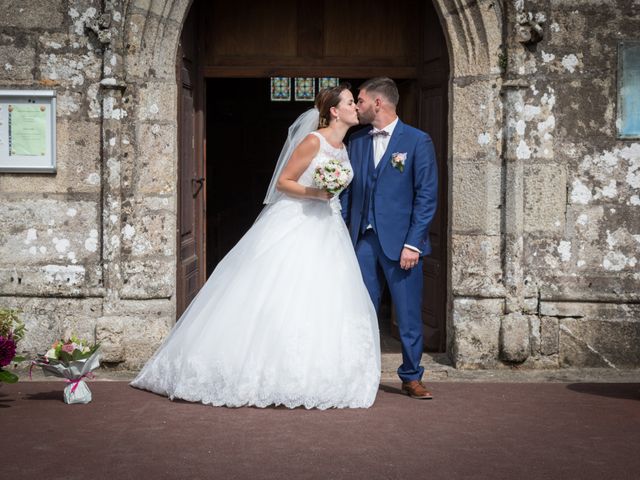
[[245, 132]]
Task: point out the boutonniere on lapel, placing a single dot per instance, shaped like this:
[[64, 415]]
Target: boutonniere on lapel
[[397, 160]]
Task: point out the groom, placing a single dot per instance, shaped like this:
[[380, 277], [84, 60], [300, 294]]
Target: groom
[[389, 207]]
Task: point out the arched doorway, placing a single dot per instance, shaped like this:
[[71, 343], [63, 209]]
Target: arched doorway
[[225, 49]]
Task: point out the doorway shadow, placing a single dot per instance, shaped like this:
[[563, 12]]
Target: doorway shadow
[[623, 391]]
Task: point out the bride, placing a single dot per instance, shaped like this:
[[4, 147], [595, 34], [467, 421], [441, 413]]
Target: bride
[[285, 318]]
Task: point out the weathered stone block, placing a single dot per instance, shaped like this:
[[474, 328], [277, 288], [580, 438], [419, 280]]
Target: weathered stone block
[[70, 70], [534, 334], [30, 13], [17, 63], [589, 115], [477, 115], [514, 338], [157, 102], [143, 336], [608, 175], [589, 287], [599, 343], [110, 332], [43, 280], [530, 305], [131, 339], [477, 268], [593, 23], [41, 230], [143, 279], [487, 25], [545, 197], [148, 234], [156, 160], [156, 308], [548, 254], [154, 59], [476, 332], [530, 123], [177, 12], [477, 194], [549, 335]]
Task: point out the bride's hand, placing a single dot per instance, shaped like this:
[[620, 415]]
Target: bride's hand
[[322, 194]]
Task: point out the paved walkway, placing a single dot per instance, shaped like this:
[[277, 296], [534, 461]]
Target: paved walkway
[[471, 430]]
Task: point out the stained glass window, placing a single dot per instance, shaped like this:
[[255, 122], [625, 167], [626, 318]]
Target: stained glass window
[[280, 89], [628, 121], [305, 89], [328, 82]]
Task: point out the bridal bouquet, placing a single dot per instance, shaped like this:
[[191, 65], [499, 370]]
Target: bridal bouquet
[[72, 359], [332, 176]]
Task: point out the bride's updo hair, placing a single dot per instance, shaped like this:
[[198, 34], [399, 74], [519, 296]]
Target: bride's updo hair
[[327, 98]]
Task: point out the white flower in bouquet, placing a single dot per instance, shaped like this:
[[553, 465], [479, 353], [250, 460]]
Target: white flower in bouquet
[[332, 176]]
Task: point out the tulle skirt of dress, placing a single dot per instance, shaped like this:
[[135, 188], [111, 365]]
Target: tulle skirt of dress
[[285, 319]]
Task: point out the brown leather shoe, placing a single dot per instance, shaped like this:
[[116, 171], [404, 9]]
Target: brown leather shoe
[[415, 389]]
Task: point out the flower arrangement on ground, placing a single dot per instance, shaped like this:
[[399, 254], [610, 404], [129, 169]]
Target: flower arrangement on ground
[[11, 331], [74, 360]]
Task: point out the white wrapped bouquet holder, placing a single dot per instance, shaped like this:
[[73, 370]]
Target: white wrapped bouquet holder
[[74, 371]]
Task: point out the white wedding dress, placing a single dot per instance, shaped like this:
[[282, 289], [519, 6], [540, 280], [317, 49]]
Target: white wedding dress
[[284, 319]]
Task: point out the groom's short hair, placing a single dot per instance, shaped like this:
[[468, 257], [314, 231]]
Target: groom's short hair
[[384, 86]]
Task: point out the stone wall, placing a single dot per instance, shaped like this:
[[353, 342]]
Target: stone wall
[[91, 249], [543, 197], [570, 223]]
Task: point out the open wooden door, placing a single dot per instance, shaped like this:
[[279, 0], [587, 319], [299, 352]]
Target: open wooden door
[[433, 86], [191, 273]]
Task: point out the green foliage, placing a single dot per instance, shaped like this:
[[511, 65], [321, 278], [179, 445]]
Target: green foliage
[[503, 61], [10, 322], [7, 377]]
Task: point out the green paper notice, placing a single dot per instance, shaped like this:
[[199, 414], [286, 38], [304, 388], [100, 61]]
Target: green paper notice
[[28, 130]]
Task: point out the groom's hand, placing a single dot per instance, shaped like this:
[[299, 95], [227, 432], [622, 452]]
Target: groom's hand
[[408, 258]]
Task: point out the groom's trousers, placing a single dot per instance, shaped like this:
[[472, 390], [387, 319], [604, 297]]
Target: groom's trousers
[[406, 292]]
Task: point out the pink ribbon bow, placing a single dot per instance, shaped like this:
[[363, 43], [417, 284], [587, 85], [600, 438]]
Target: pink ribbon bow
[[77, 381]]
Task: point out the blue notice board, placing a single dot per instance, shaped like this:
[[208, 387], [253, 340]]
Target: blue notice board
[[628, 118]]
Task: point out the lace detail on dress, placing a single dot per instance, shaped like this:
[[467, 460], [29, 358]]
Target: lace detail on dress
[[353, 384]]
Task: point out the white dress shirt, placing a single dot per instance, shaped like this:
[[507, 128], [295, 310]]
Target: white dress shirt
[[380, 144]]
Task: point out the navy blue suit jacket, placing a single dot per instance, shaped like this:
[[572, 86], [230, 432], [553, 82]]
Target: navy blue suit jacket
[[404, 203]]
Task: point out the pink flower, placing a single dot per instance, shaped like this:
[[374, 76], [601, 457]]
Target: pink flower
[[7, 350], [68, 347]]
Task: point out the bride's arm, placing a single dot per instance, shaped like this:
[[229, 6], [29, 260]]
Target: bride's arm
[[297, 164]]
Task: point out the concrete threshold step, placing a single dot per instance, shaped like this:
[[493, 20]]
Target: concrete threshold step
[[436, 366], [437, 369]]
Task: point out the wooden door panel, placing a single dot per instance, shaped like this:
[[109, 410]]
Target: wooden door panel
[[190, 269], [433, 120]]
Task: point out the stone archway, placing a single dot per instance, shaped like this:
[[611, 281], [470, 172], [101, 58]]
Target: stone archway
[[147, 49]]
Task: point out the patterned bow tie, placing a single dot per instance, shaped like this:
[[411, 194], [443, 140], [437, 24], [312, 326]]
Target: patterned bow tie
[[374, 133]]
